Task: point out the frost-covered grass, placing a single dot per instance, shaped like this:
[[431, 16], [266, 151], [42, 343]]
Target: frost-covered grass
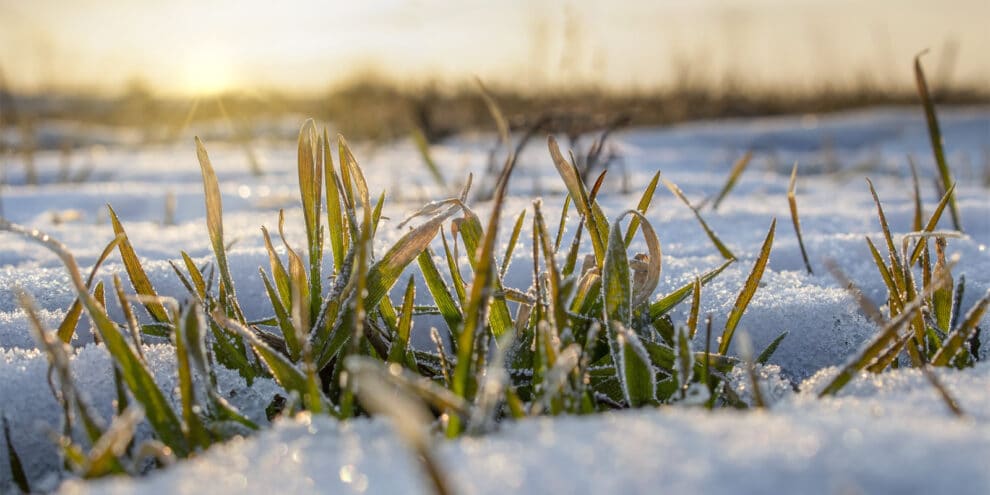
[[615, 350]]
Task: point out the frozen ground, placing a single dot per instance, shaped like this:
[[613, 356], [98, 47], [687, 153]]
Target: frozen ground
[[884, 434]]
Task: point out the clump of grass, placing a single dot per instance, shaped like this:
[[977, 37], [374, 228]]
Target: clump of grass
[[583, 339], [923, 317]]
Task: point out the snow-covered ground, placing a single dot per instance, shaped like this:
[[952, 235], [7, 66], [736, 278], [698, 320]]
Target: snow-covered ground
[[883, 434]]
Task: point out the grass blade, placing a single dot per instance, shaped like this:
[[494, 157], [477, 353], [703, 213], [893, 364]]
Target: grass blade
[[767, 353], [737, 170], [214, 223], [400, 346], [642, 206], [439, 290], [748, 290], [722, 248], [136, 273], [68, 326], [960, 335], [16, 467], [935, 135], [666, 303], [594, 217], [512, 244], [795, 219]]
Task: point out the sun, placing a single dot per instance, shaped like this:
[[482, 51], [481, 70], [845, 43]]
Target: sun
[[206, 74]]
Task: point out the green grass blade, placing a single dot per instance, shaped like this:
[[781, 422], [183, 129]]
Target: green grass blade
[[195, 275], [286, 374], [337, 229], [795, 219], [935, 135], [748, 290], [137, 376], [473, 235], [196, 433], [283, 319], [481, 293], [423, 147], [637, 376], [737, 170], [872, 350], [896, 267], [563, 223], [695, 308], [960, 335], [279, 274], [932, 223], [767, 353], [616, 287], [668, 302], [722, 248], [439, 291], [400, 346], [597, 223], [507, 258], [214, 223], [642, 206], [14, 460], [68, 326], [139, 279]]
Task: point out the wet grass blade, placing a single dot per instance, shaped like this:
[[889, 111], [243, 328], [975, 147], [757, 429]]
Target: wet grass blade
[[68, 326], [642, 207], [737, 170], [748, 290], [722, 248], [139, 279], [795, 219], [935, 135]]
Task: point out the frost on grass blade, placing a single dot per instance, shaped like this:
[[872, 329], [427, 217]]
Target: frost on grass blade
[[795, 219]]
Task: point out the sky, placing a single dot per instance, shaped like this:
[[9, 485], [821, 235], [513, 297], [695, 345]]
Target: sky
[[203, 46]]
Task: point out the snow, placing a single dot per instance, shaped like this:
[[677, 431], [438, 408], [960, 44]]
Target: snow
[[883, 434]]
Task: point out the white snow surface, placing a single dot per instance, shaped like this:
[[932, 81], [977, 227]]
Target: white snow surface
[[889, 433]]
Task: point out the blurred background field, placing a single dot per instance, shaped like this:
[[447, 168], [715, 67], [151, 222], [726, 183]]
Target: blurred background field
[[76, 74]]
